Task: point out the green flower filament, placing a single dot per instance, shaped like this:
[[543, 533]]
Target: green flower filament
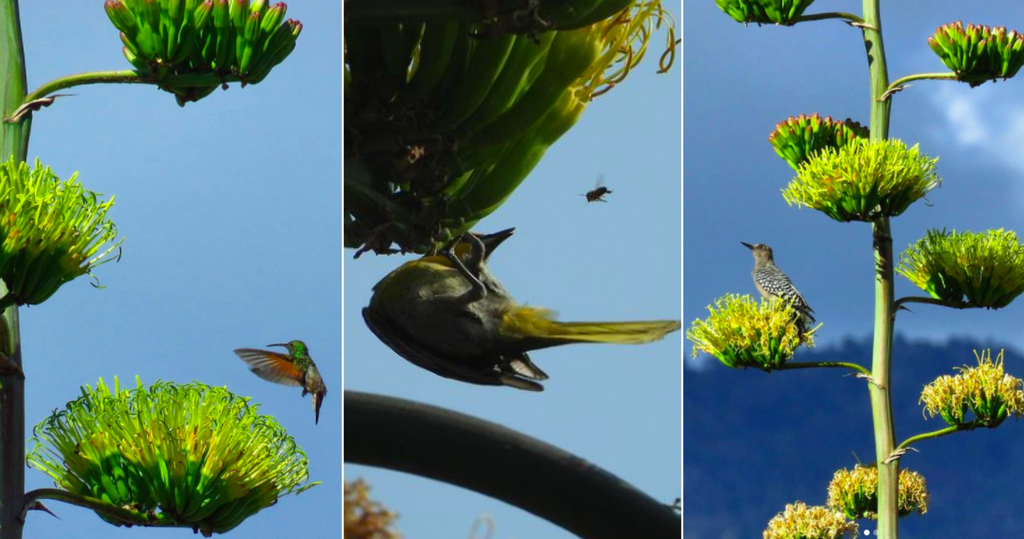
[[52, 231], [182, 455]]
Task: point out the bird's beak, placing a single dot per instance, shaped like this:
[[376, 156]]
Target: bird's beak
[[281, 345], [747, 245], [492, 241]]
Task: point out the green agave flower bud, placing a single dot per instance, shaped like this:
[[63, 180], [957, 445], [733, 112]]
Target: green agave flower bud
[[741, 333], [52, 231], [178, 455], [230, 38], [855, 492], [981, 270], [978, 53], [447, 121], [989, 393], [863, 180], [796, 139], [800, 521], [783, 12]]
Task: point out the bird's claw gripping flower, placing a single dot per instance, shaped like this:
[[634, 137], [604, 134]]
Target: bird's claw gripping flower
[[784, 12], [239, 39], [479, 111], [433, 315], [978, 53], [52, 232], [741, 333], [985, 390], [797, 138], [863, 180], [855, 492], [976, 269], [174, 455], [809, 522]]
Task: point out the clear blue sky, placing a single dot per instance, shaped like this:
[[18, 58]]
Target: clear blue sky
[[617, 406], [735, 95], [230, 210], [741, 81]]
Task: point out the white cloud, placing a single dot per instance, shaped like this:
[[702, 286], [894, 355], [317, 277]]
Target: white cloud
[[985, 123]]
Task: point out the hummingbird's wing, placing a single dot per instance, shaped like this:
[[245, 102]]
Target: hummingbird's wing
[[271, 366]]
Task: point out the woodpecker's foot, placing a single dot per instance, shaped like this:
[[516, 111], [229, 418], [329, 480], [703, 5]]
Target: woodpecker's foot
[[476, 258], [8, 367]]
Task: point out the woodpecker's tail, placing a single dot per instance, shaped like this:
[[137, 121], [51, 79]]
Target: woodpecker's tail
[[537, 329]]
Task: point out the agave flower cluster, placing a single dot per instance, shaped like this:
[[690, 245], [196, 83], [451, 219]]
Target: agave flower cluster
[[797, 138], [863, 180], [52, 231], [365, 518], [783, 12], [977, 53], [195, 37], [985, 390], [855, 492], [742, 333], [983, 270], [178, 455], [800, 521], [446, 128]]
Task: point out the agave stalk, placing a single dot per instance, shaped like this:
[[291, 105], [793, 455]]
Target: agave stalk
[[881, 358], [14, 143]]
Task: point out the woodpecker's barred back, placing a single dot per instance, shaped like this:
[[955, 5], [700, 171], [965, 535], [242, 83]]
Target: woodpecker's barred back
[[772, 283]]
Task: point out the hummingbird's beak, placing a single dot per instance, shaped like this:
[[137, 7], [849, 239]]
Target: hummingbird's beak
[[747, 245], [281, 345], [492, 241]]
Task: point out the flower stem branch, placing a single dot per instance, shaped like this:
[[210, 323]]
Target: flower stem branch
[[848, 17], [900, 83], [935, 434], [932, 301], [129, 77], [123, 514], [826, 364]]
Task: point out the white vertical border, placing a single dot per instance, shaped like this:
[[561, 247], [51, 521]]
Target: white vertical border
[[341, 262], [680, 58]]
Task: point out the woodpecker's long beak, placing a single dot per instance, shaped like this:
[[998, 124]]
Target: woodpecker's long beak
[[747, 245], [492, 241], [281, 345]]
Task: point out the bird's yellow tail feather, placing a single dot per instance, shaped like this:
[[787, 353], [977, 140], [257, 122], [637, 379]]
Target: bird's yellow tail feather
[[537, 323]]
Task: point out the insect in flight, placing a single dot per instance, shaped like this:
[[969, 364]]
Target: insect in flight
[[598, 193]]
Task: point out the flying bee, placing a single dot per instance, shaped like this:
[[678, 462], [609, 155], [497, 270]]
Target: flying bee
[[598, 192]]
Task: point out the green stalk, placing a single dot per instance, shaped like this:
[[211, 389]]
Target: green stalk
[[825, 364], [935, 434], [13, 141], [881, 401], [129, 77]]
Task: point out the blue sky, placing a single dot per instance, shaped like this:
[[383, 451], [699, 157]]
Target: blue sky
[[741, 82], [617, 406], [230, 210]]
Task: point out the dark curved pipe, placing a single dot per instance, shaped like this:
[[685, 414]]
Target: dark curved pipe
[[448, 446]]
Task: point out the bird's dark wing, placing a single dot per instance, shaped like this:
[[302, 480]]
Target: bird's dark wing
[[271, 366]]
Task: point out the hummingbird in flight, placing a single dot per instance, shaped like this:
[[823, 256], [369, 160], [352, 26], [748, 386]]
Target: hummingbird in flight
[[296, 368]]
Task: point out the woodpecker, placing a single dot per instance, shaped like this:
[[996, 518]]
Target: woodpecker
[[772, 282]]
